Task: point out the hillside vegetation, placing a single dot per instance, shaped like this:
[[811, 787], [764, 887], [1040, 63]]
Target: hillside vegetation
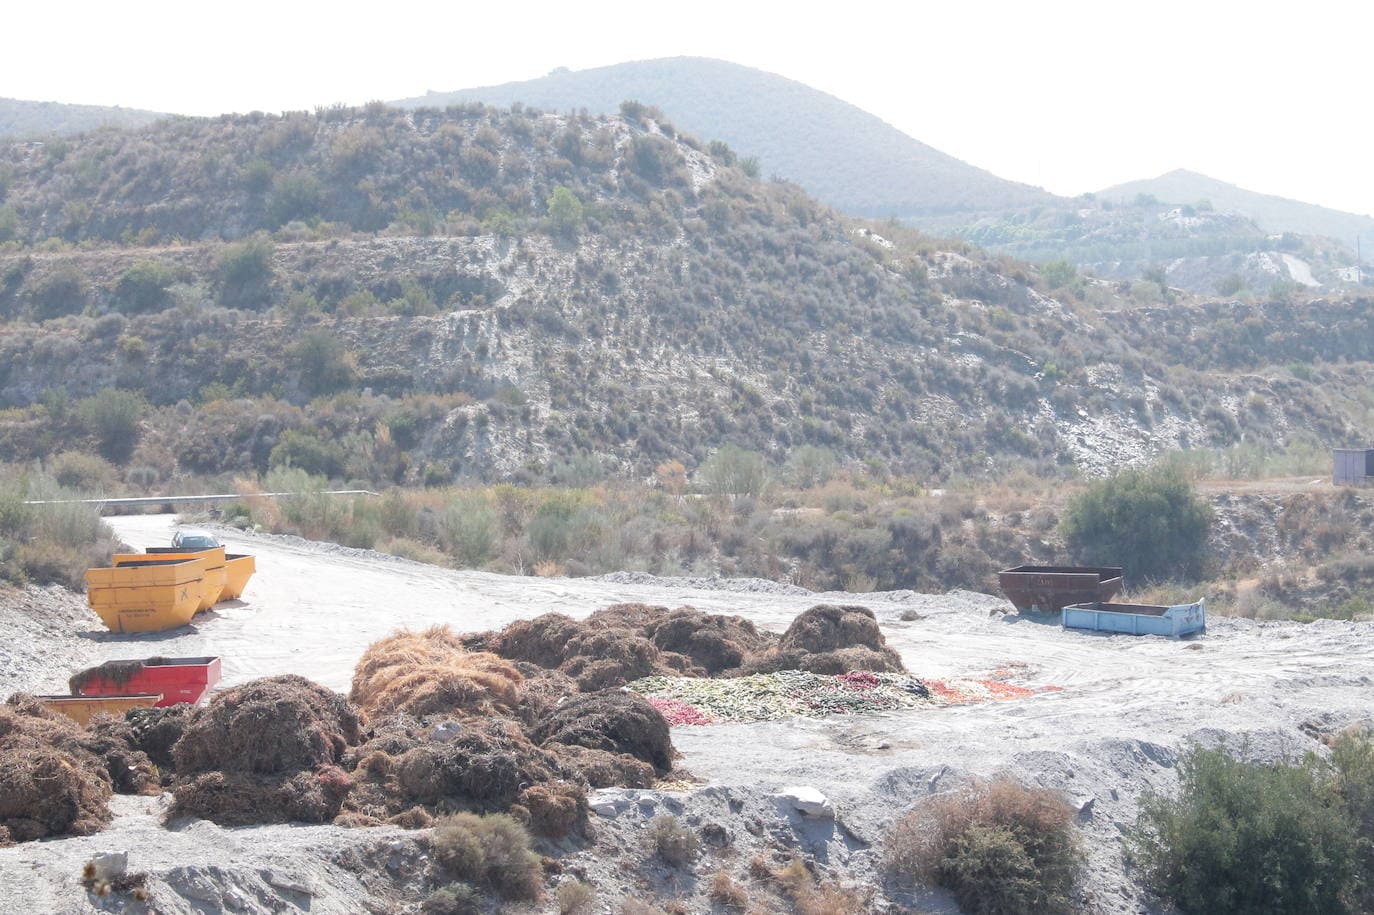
[[1273, 214], [20, 118], [472, 293], [838, 152]]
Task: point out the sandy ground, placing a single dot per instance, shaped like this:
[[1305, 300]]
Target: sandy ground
[[1118, 712]]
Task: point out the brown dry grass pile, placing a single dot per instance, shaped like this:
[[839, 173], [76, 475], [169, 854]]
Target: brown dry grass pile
[[998, 846], [156, 730], [55, 776], [718, 644], [268, 727], [265, 752], [626, 642], [613, 722], [433, 673], [405, 773], [240, 799], [831, 639]]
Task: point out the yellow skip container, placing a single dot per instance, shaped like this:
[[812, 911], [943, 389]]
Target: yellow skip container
[[237, 570], [212, 584], [82, 709], [147, 595]]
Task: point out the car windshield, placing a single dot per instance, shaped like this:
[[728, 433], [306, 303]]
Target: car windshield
[[196, 542]]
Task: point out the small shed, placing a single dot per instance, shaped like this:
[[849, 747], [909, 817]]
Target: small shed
[[1354, 466]]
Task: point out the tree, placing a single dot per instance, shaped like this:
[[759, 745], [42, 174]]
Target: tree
[[565, 211], [672, 477], [1059, 273], [734, 471], [113, 416], [810, 466], [1150, 522], [324, 363]]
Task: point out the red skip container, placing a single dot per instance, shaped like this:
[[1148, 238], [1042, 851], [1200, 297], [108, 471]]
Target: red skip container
[[177, 679]]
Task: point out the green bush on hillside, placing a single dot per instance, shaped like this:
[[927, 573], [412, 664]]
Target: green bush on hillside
[[1245, 837], [1150, 522]]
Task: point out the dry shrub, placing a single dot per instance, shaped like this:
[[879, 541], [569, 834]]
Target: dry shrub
[[613, 721], [245, 799], [671, 841], [601, 769], [433, 673], [831, 639], [998, 847], [808, 896], [576, 898], [492, 850], [272, 726], [556, 809], [725, 891]]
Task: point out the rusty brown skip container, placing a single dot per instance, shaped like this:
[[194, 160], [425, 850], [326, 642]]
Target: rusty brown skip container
[[1050, 589]]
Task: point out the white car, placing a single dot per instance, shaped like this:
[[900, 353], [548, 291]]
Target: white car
[[193, 540]]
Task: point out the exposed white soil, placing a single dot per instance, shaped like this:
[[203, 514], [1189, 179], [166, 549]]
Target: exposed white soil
[[1119, 712]]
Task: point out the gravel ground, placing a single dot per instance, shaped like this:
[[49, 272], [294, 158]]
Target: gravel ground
[[1107, 720]]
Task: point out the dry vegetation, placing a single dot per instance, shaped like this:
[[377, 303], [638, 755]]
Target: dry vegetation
[[998, 846]]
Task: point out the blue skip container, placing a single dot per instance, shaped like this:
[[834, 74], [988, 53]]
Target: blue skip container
[[1138, 619]]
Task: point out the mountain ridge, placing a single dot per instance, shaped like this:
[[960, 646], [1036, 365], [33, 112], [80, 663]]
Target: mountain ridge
[[1271, 212], [845, 156], [23, 118]]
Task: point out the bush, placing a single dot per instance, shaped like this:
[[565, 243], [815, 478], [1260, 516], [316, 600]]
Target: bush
[[672, 841], [454, 899], [575, 898], [306, 450], [245, 273], [734, 471], [143, 287], [1150, 522], [324, 364], [113, 416], [492, 850], [999, 847], [62, 292], [1247, 837]]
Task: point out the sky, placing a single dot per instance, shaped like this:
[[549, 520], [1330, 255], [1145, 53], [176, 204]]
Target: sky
[[1069, 96]]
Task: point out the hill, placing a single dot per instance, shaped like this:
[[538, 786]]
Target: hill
[[839, 153], [475, 293], [1272, 214], [20, 118]]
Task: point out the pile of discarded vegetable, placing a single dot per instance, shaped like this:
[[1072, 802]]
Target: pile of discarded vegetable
[[785, 694]]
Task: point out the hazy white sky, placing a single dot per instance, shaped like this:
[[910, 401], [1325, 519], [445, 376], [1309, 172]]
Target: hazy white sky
[[1065, 95]]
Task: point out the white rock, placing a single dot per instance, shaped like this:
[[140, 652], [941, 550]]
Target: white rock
[[807, 801], [610, 802], [108, 865]]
